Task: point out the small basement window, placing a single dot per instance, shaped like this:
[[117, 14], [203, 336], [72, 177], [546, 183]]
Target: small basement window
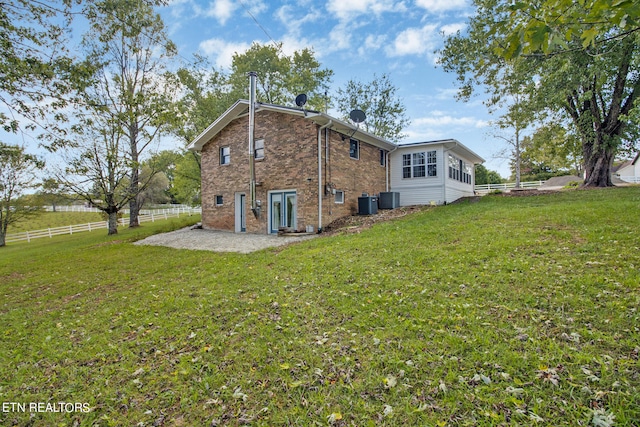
[[339, 198], [218, 200]]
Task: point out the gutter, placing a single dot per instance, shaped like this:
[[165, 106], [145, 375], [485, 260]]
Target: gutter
[[320, 189]]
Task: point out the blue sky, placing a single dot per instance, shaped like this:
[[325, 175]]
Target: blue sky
[[355, 39]]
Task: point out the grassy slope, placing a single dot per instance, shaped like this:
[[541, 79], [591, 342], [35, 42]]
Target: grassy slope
[[509, 311], [45, 220]]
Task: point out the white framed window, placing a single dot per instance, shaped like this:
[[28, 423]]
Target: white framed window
[[258, 149], [432, 163], [419, 165], [459, 170], [218, 199], [383, 158], [339, 197], [354, 149], [225, 155]]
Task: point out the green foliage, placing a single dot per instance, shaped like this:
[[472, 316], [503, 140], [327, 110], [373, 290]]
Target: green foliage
[[573, 184], [280, 77], [486, 176], [553, 149], [550, 25], [205, 96], [385, 112], [17, 175], [508, 311], [39, 74]]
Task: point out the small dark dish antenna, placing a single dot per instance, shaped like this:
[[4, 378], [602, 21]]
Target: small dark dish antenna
[[301, 100], [357, 116]]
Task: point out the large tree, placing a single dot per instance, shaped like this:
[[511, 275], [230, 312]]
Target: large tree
[[129, 41], [17, 175], [385, 112], [280, 77], [594, 87]]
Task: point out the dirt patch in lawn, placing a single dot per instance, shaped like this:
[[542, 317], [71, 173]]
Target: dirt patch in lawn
[[357, 223]]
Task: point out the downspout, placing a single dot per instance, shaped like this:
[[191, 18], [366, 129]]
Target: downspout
[[387, 174], [320, 189], [252, 119]]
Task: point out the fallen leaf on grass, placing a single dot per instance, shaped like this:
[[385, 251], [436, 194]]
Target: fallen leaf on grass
[[237, 393], [389, 381], [335, 416]]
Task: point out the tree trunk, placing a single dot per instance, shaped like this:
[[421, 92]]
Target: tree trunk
[[134, 210], [597, 164], [518, 157], [113, 222], [3, 242], [134, 189]]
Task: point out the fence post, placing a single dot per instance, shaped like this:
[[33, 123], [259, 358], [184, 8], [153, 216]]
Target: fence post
[[49, 232], [89, 227], [28, 239], [71, 229]]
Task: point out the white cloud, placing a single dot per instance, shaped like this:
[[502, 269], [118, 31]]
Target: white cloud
[[442, 119], [414, 41], [346, 9], [371, 44], [221, 10], [452, 28], [222, 51], [437, 6]]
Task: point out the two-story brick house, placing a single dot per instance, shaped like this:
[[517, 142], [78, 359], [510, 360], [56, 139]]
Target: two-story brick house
[[310, 169]]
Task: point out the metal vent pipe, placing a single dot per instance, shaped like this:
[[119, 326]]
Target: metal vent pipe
[[252, 121]]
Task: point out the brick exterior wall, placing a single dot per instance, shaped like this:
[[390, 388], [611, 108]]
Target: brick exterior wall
[[290, 163]]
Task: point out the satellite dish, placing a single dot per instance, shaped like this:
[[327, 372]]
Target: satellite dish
[[301, 100], [357, 116]]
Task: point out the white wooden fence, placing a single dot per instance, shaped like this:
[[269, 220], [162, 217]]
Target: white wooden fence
[[82, 208], [486, 188], [152, 216]]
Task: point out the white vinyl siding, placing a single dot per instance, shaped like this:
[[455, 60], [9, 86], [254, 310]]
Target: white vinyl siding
[[420, 173]]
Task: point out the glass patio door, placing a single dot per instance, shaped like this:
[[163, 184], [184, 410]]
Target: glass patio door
[[283, 210]]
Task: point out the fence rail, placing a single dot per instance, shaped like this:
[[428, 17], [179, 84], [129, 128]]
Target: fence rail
[[485, 188], [82, 208], [152, 216]]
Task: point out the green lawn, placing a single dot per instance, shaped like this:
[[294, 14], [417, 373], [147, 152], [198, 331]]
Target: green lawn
[[505, 312], [45, 220]]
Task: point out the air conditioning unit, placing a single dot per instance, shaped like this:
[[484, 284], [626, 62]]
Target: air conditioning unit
[[367, 205], [389, 200]]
